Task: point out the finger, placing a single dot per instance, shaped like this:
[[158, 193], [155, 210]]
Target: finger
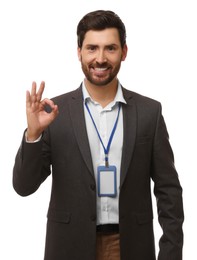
[[50, 107], [40, 91], [48, 102], [33, 88], [28, 100], [54, 112], [33, 92], [55, 109]]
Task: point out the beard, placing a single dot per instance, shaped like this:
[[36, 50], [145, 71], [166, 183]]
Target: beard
[[100, 79]]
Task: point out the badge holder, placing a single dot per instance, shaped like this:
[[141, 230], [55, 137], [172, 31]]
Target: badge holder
[[107, 183]]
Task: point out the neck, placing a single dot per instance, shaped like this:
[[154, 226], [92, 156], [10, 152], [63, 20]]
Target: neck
[[102, 94]]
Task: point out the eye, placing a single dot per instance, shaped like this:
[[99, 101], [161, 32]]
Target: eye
[[91, 48], [111, 48]]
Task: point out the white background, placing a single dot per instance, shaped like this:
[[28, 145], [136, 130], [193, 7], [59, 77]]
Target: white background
[[38, 42]]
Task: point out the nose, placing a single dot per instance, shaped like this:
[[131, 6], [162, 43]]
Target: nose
[[101, 57]]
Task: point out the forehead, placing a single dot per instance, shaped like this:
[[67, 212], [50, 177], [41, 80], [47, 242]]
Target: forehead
[[102, 37]]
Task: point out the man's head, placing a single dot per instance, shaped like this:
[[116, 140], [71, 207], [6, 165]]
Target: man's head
[[101, 46], [100, 20]]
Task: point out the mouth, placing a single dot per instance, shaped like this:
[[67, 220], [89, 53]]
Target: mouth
[[100, 71]]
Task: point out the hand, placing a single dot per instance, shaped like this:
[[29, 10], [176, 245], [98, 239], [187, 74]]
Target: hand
[[37, 118]]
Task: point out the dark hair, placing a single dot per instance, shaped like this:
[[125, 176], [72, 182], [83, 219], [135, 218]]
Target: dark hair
[[100, 20]]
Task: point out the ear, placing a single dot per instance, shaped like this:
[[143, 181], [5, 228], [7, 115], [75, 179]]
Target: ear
[[124, 52], [79, 53]]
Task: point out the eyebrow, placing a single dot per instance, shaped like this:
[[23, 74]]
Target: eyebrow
[[96, 45]]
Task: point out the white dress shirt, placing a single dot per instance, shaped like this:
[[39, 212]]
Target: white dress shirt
[[107, 207]]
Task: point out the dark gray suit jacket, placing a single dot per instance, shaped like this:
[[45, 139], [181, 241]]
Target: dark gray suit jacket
[[64, 150]]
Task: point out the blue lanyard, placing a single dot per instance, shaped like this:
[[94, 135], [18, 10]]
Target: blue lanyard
[[106, 150]]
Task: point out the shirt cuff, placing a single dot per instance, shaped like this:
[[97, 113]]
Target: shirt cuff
[[35, 141]]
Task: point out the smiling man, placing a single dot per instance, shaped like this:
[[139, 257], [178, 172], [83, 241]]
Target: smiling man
[[103, 144]]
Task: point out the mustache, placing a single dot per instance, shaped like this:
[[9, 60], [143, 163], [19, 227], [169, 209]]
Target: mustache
[[101, 65]]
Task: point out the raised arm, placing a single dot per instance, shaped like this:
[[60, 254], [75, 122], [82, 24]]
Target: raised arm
[[32, 162]]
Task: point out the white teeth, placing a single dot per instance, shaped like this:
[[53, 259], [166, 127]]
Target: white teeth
[[101, 69]]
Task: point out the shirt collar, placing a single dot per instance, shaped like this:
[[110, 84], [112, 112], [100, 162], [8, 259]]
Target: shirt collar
[[118, 98]]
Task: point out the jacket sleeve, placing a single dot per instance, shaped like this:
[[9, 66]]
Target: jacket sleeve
[[32, 166], [168, 192]]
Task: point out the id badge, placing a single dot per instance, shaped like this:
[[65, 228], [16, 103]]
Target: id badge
[[107, 183]]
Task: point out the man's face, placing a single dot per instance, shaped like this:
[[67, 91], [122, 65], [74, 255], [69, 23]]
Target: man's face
[[101, 55]]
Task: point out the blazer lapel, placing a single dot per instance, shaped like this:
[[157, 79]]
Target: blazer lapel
[[129, 125], [79, 127]]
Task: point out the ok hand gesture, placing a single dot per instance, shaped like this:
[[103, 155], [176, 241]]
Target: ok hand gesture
[[37, 118]]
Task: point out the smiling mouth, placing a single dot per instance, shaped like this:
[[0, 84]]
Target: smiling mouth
[[101, 69], [100, 72]]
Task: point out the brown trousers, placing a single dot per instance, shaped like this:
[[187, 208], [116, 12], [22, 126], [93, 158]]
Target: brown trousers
[[108, 246]]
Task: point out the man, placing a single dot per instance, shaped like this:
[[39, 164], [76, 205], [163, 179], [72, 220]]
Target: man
[[103, 144]]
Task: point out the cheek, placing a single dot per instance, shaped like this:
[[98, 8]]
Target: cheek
[[87, 60]]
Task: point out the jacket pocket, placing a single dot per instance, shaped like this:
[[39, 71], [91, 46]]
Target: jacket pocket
[[144, 218], [60, 216]]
